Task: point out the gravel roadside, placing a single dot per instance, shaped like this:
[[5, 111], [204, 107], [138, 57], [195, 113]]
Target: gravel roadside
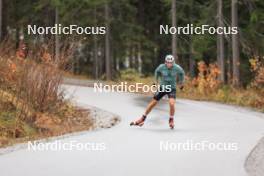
[[254, 164], [101, 120]]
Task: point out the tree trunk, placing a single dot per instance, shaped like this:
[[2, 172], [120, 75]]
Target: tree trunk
[[134, 57], [139, 58], [100, 60], [77, 59], [96, 63], [108, 61], [1, 21], [17, 37], [117, 66], [174, 36], [127, 62], [131, 56], [229, 67], [191, 56], [57, 41], [220, 42], [191, 59], [235, 45]]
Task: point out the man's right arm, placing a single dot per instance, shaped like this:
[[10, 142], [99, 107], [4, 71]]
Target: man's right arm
[[157, 74]]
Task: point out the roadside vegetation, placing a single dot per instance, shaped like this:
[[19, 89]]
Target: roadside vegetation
[[207, 87], [32, 101]]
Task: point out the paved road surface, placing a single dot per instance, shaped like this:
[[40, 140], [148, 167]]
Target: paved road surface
[[136, 151]]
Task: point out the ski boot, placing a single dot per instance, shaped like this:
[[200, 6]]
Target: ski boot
[[171, 123], [139, 122]]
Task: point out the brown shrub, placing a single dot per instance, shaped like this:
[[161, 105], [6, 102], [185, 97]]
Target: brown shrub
[[207, 80], [257, 67], [39, 86], [31, 85]]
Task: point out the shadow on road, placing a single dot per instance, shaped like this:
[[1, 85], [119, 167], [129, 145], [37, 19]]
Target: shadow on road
[[142, 101], [159, 130]]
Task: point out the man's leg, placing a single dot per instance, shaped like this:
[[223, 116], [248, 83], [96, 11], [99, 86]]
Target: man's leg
[[172, 97], [150, 106], [172, 107], [153, 102], [172, 111]]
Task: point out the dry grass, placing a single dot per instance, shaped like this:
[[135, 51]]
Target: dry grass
[[32, 103], [207, 87]]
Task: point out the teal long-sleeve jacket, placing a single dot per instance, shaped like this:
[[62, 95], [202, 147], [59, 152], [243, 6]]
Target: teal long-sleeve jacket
[[168, 76]]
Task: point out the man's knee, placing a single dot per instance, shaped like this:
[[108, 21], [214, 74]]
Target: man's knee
[[154, 102], [171, 102]]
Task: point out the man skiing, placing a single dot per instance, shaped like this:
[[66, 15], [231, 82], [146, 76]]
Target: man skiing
[[166, 75]]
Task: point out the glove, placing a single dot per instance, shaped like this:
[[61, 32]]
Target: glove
[[181, 87]]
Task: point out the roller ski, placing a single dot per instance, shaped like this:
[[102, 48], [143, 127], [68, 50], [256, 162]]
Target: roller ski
[[139, 122], [171, 123]]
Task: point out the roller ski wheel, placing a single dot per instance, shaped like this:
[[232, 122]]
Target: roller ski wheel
[[139, 122], [171, 123]]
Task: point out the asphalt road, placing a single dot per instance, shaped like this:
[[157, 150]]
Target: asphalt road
[[142, 151]]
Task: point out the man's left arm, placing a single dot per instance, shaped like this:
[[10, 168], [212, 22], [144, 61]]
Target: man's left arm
[[181, 74]]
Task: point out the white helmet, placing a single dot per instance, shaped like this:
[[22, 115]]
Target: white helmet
[[169, 58]]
